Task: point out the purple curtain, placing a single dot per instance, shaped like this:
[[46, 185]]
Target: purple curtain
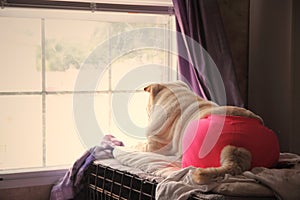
[[200, 22]]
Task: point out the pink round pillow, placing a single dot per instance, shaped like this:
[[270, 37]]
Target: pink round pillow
[[204, 140]]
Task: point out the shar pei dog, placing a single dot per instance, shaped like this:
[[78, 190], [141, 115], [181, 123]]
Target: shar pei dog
[[217, 140]]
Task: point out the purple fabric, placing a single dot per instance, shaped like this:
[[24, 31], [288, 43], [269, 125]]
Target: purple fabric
[[71, 184], [201, 21]]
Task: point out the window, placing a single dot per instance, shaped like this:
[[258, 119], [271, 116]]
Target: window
[[43, 55]]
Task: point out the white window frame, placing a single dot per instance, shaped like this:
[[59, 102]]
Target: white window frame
[[31, 178]]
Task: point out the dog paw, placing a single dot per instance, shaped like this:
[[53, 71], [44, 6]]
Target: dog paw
[[201, 176]]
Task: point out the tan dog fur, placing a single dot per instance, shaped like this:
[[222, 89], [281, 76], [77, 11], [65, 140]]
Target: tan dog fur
[[171, 107]]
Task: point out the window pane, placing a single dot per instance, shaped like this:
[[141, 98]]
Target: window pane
[[21, 132], [102, 108], [62, 141], [129, 116], [71, 40], [142, 66], [137, 108], [68, 44], [20, 46]]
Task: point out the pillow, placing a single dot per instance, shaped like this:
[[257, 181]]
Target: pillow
[[205, 138]]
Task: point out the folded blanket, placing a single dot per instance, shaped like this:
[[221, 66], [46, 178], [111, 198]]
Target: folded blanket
[[178, 184], [284, 182], [259, 182], [149, 162]]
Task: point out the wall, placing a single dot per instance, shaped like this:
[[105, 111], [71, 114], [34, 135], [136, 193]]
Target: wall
[[272, 69], [235, 14], [26, 193], [270, 30], [295, 136]]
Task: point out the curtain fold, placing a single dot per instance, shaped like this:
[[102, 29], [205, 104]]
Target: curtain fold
[[209, 68]]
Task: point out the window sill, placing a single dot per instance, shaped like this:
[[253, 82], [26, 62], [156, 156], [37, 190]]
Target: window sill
[[31, 178]]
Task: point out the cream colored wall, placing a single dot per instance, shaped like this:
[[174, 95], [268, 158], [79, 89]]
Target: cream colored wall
[[273, 73]]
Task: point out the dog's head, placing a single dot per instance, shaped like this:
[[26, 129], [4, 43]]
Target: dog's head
[[163, 94], [169, 107]]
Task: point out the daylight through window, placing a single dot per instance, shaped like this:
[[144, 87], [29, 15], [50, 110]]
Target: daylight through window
[[42, 53]]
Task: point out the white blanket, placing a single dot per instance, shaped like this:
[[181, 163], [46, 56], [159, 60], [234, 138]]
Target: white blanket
[[178, 184], [149, 162]]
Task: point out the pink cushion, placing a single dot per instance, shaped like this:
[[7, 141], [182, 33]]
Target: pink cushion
[[205, 138]]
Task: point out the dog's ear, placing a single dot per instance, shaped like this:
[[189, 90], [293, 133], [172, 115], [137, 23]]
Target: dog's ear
[[153, 88]]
